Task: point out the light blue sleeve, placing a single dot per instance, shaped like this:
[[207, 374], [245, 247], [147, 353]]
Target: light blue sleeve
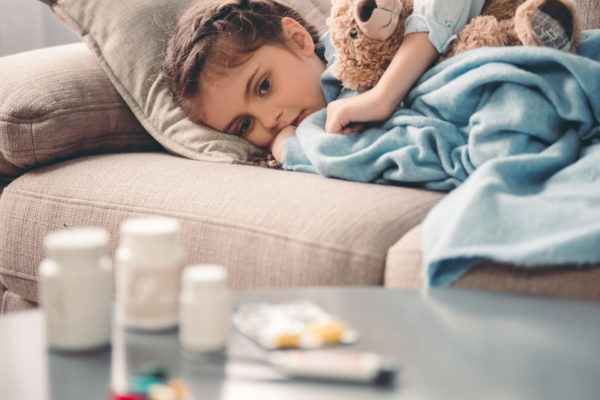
[[443, 19]]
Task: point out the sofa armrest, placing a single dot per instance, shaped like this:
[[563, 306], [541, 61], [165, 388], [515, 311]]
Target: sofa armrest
[[405, 263]]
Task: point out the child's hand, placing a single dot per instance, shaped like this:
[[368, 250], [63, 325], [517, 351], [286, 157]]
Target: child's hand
[[350, 115], [413, 57], [276, 146]]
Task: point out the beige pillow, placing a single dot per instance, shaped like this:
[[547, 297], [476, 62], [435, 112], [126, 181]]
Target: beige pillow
[[57, 103], [128, 37]]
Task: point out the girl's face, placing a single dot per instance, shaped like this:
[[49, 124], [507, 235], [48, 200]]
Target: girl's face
[[276, 87]]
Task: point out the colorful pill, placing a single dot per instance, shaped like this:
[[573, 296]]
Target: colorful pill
[[329, 332], [287, 340], [131, 396], [142, 384], [162, 392], [179, 386], [156, 370]]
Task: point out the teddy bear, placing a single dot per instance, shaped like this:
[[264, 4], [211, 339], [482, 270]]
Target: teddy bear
[[367, 33]]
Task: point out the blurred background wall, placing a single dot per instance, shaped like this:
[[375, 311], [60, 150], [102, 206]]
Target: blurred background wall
[[29, 24]]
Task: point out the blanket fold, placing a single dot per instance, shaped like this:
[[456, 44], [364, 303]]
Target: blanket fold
[[514, 130]]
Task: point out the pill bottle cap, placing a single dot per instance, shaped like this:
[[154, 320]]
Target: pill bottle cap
[[150, 235], [76, 245], [202, 276]]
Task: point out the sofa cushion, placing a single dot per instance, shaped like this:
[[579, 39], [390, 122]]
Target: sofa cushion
[[268, 227], [129, 38], [57, 103], [404, 270]]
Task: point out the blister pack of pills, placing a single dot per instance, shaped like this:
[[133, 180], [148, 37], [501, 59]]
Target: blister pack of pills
[[299, 324]]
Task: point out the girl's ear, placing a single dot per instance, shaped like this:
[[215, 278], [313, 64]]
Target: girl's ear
[[293, 31]]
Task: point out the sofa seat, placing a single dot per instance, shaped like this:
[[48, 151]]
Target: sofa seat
[[268, 227]]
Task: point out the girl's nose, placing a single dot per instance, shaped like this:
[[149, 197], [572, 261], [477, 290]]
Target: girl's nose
[[270, 118]]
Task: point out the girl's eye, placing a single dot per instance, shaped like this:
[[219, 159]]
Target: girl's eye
[[245, 126], [264, 87]]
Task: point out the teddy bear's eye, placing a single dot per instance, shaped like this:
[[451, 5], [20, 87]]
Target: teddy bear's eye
[[353, 33]]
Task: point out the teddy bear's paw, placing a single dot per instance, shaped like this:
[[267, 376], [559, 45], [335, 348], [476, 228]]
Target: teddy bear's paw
[[553, 25], [545, 23]]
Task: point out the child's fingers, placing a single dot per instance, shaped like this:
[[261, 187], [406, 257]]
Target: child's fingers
[[336, 122], [338, 116], [353, 128]]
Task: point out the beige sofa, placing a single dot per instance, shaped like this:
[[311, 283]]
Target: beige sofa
[[73, 154]]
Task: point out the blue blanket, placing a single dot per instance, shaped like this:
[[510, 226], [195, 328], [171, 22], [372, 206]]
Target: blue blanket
[[515, 130]]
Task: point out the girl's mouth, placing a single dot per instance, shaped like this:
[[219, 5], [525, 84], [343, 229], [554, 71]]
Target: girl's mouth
[[299, 119]]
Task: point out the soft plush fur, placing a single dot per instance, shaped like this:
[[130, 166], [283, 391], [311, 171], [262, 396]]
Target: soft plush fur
[[367, 33]]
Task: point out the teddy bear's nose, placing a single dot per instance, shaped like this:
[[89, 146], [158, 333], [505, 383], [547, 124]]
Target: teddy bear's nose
[[365, 8]]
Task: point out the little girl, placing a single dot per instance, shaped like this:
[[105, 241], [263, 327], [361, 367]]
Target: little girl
[[252, 68], [247, 68]]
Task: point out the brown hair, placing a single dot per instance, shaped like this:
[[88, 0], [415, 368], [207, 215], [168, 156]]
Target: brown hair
[[213, 35]]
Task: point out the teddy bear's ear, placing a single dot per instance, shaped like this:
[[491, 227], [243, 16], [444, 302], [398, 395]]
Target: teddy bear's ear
[[378, 19]]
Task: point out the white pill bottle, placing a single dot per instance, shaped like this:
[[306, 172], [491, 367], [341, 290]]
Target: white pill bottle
[[148, 265], [205, 309], [75, 282]]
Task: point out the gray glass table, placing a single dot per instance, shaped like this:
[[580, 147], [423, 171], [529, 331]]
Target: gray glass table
[[448, 344]]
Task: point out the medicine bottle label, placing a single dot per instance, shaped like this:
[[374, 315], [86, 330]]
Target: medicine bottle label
[[151, 293]]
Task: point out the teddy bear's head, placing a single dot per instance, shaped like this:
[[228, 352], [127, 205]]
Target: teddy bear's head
[[366, 35]]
